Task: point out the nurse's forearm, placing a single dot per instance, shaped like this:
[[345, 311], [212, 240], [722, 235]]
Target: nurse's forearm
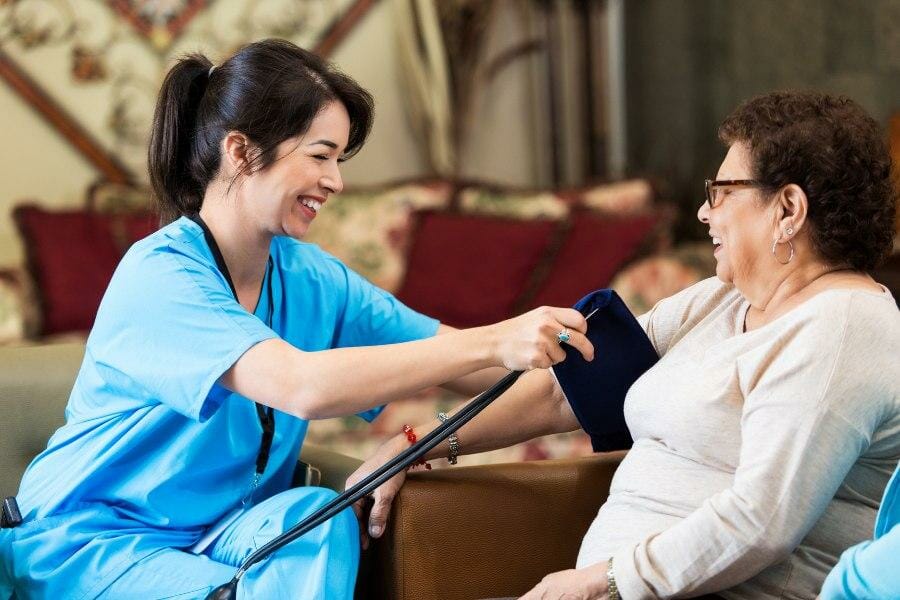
[[344, 381], [349, 380], [474, 383]]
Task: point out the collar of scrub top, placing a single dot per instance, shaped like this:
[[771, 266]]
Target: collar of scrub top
[[266, 414], [596, 390]]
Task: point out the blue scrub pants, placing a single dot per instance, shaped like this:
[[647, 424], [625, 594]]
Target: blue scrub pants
[[320, 565]]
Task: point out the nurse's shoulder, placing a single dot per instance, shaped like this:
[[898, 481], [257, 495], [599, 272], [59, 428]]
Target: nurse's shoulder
[[176, 250], [166, 269]]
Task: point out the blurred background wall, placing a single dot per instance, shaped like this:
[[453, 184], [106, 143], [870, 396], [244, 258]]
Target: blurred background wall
[[687, 63]]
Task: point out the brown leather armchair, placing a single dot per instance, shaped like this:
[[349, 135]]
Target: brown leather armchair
[[487, 531]]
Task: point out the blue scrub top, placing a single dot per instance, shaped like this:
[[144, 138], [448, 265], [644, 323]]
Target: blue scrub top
[[151, 440]]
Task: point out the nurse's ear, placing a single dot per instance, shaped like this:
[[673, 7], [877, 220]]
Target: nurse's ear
[[237, 153]]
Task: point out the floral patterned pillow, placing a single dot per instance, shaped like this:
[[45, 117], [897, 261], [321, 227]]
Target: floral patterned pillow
[[644, 283], [620, 197], [369, 230], [628, 197], [513, 205]]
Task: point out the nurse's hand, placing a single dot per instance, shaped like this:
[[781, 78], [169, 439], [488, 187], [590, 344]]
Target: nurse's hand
[[372, 522], [531, 341]]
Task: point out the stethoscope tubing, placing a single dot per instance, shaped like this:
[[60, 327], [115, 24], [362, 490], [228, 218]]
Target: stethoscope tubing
[[378, 477]]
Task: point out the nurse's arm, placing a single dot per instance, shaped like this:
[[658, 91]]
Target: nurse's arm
[[344, 381]]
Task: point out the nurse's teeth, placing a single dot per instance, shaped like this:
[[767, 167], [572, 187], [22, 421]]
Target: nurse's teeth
[[311, 204]]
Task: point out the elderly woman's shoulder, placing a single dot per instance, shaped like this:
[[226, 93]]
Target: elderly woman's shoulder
[[684, 310], [858, 310], [861, 326]]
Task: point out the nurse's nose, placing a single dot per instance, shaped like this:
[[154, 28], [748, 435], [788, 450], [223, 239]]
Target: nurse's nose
[[332, 181]]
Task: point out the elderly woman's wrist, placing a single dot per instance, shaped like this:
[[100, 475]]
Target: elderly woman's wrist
[[612, 590], [599, 587]]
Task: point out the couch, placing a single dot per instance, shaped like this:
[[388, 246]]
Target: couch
[[418, 239], [462, 533]]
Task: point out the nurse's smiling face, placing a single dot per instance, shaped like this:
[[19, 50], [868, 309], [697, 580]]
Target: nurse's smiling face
[[284, 198]]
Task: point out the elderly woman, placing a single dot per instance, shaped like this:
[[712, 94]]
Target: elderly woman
[[765, 434]]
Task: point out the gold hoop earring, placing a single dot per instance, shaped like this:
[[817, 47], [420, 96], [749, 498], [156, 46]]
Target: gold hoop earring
[[790, 258]]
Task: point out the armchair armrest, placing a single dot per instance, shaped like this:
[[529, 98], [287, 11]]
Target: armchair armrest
[[332, 468], [487, 531]]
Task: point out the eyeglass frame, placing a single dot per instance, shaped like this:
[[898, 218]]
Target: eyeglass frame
[[714, 183]]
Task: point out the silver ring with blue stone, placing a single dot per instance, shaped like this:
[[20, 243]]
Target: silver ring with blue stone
[[563, 336]]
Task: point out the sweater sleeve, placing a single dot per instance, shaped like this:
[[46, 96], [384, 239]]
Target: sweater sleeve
[[796, 450]]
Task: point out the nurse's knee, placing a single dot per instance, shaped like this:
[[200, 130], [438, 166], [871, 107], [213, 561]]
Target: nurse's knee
[[299, 503], [344, 523]]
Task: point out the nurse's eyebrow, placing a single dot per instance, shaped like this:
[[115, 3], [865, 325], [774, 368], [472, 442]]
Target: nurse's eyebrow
[[328, 143]]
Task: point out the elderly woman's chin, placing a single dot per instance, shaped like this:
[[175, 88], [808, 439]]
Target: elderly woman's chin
[[723, 269]]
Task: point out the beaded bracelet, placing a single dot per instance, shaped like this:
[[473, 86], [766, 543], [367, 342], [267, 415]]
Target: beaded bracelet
[[411, 436], [452, 440]]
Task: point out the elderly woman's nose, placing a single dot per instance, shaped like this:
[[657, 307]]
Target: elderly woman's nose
[[703, 212]]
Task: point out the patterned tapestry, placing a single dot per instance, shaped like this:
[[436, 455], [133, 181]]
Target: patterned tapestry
[[102, 61]]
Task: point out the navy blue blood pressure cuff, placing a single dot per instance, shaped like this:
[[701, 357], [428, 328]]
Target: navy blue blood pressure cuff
[[596, 390]]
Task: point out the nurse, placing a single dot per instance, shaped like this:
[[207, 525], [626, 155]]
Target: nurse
[[218, 338]]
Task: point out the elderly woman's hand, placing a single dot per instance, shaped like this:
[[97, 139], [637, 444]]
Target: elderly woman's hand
[[372, 522], [588, 583]]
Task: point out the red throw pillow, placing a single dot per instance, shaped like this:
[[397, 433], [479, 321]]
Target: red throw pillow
[[72, 255], [469, 270], [136, 226], [594, 249]]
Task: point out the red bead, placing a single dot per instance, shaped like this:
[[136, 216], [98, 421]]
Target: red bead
[[411, 437]]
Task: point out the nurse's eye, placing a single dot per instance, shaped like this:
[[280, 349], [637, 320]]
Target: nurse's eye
[[320, 157]]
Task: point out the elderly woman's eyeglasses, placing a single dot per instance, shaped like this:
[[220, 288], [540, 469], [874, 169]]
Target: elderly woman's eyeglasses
[[714, 195]]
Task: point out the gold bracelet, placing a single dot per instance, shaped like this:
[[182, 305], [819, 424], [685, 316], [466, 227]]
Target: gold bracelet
[[612, 588]]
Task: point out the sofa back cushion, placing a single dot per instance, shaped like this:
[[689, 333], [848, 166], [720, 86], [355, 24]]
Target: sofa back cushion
[[470, 270], [594, 248]]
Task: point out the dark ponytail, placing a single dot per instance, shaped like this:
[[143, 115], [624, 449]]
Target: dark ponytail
[[177, 191], [269, 90]]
